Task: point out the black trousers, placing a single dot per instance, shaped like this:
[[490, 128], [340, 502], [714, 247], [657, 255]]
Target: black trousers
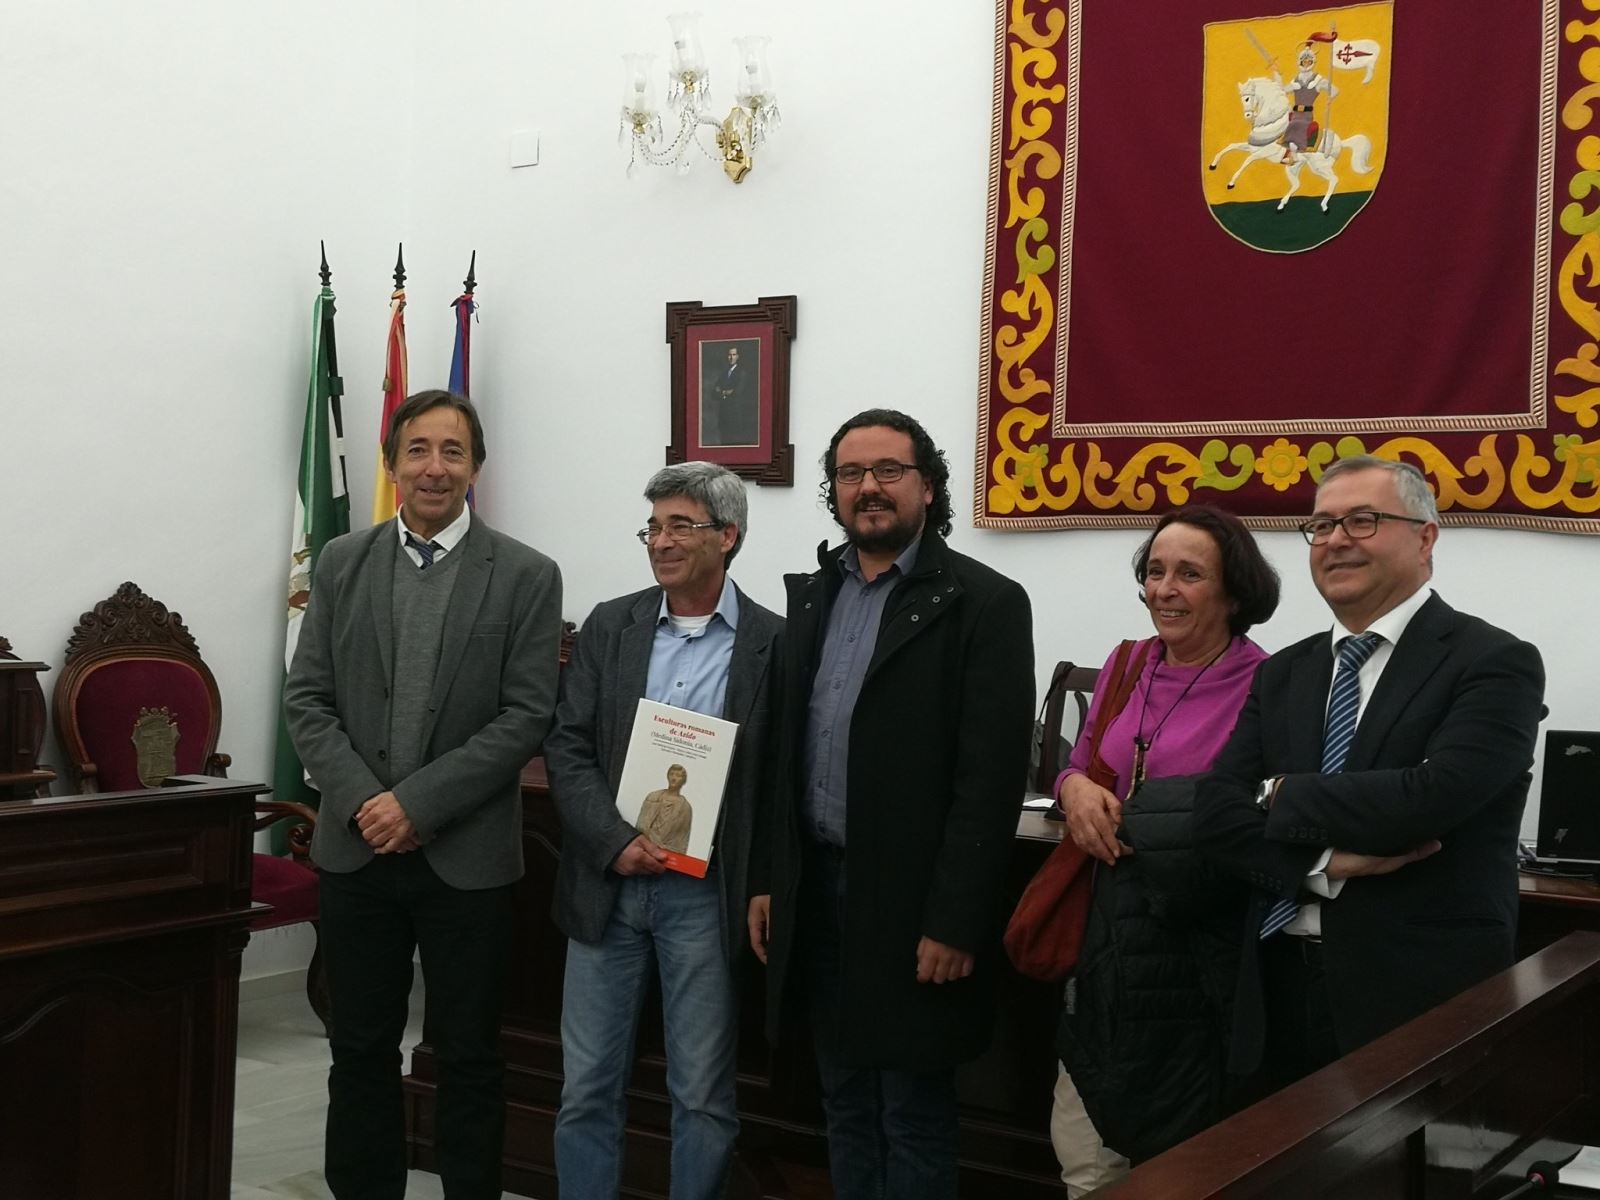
[[371, 922], [1299, 1033], [891, 1133]]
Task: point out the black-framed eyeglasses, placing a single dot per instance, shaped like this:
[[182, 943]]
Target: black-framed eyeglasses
[[886, 471], [1356, 525], [676, 530]]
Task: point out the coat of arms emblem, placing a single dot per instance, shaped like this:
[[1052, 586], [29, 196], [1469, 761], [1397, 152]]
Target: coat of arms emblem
[[155, 744], [1295, 122]]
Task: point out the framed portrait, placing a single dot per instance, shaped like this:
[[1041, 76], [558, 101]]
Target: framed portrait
[[730, 386]]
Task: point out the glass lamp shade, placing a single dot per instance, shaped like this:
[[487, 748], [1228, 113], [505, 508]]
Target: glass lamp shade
[[754, 85], [688, 54], [638, 86]]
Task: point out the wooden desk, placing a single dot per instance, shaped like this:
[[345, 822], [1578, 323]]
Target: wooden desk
[[22, 721], [1553, 907], [122, 919], [1453, 1105]]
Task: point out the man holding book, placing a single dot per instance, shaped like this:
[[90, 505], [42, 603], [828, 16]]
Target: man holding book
[[696, 642]]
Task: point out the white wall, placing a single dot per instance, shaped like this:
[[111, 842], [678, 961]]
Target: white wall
[[869, 206], [168, 169], [160, 207]]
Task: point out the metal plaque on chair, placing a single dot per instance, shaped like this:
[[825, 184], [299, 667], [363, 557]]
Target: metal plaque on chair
[[155, 740]]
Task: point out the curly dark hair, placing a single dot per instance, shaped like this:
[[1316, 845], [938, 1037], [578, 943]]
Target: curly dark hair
[[1247, 577], [931, 463]]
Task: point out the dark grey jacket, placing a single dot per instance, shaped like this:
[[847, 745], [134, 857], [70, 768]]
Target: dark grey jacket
[[600, 693], [492, 699]]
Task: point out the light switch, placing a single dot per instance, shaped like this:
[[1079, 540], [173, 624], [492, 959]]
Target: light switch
[[525, 148]]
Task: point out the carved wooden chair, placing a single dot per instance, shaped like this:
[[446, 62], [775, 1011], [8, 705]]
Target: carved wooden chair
[[135, 704], [1070, 686]]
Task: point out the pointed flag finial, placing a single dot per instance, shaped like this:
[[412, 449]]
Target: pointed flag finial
[[400, 267], [470, 283], [327, 275]]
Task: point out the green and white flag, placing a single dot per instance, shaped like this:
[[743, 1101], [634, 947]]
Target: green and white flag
[[321, 513]]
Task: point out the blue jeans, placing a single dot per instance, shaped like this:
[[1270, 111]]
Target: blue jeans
[[676, 920], [891, 1134]]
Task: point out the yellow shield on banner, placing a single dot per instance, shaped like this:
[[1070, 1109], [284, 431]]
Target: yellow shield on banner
[[1294, 122]]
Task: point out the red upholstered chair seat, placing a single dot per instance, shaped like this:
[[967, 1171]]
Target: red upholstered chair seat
[[290, 888]]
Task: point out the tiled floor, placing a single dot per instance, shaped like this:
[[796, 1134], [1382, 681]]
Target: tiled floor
[[281, 1102]]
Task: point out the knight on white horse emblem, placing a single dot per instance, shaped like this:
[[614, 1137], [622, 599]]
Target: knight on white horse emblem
[[1283, 125]]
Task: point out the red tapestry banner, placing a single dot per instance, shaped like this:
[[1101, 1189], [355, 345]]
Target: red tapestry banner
[[1232, 241]]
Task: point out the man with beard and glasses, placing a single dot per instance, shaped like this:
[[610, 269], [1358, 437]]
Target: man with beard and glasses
[[900, 756]]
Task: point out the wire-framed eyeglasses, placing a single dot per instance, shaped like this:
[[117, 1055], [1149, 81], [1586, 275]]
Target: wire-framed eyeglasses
[[676, 530], [1356, 525]]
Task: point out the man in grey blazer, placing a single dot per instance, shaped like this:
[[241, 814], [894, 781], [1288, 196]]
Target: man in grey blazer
[[694, 641], [423, 680]]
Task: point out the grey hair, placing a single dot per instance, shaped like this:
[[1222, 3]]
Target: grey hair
[[716, 489], [1416, 497]]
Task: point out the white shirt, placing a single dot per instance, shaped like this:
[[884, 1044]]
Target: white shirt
[[1391, 626], [446, 540]]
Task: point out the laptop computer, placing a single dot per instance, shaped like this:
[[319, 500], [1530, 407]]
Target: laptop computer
[[1569, 798]]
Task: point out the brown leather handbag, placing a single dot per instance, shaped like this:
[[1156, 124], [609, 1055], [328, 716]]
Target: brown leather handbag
[[1045, 933]]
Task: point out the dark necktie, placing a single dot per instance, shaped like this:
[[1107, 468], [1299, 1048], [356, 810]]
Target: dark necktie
[[426, 549], [1340, 730]]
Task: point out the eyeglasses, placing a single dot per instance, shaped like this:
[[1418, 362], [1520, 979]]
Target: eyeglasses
[[678, 531], [1356, 525], [886, 471]]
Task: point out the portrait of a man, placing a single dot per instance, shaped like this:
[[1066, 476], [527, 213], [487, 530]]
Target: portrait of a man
[[730, 396]]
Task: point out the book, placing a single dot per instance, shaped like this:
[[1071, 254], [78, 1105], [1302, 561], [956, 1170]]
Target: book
[[673, 779]]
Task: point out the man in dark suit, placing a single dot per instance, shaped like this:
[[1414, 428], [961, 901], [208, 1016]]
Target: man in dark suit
[[694, 641], [733, 414], [1372, 791], [907, 707], [423, 681]]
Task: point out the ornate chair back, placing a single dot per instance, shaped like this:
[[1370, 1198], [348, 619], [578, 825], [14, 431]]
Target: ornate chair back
[[134, 702]]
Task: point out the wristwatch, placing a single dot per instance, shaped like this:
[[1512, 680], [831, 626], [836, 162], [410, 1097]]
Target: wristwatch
[[1265, 791]]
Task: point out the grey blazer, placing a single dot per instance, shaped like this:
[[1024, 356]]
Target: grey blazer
[[600, 693], [492, 700]]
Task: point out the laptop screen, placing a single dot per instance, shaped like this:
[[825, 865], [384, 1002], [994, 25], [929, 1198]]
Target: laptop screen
[[1569, 797]]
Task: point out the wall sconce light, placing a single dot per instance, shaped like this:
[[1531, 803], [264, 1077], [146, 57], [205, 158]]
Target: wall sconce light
[[738, 135]]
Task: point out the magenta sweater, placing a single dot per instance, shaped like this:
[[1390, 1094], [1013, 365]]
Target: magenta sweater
[[1190, 739]]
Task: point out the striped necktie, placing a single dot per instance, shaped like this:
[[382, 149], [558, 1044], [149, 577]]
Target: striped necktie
[[426, 549], [1344, 704]]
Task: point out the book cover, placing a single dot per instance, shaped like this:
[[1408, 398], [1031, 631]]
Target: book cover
[[672, 781]]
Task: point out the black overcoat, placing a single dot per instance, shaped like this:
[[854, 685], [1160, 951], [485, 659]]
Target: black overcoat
[[938, 766]]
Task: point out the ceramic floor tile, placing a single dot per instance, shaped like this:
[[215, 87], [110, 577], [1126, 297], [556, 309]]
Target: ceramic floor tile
[[281, 1101], [302, 1083]]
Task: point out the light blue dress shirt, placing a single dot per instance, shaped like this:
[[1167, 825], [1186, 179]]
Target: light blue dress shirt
[[690, 669]]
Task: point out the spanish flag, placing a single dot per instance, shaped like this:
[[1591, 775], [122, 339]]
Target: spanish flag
[[385, 499]]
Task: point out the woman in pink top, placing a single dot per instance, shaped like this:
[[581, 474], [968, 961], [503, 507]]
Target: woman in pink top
[[1205, 583]]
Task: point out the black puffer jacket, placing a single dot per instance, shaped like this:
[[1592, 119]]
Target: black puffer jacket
[[1144, 1028]]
